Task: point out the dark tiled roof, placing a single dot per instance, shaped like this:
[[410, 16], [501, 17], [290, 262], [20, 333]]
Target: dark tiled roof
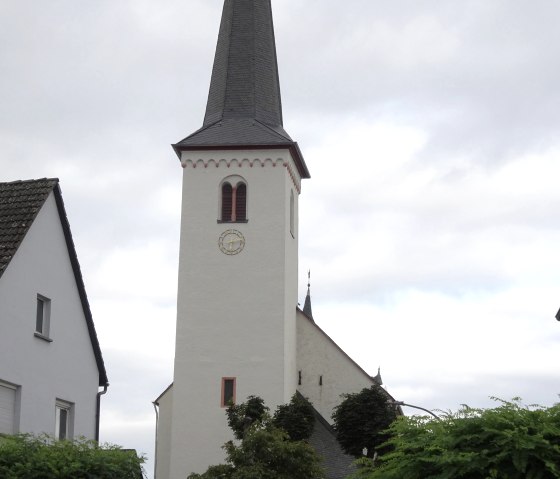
[[244, 106], [20, 202], [337, 464]]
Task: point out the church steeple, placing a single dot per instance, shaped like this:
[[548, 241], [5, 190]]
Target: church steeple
[[245, 75], [244, 108]]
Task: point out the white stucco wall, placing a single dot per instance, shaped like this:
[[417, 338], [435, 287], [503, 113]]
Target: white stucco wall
[[45, 371], [235, 314], [318, 355]]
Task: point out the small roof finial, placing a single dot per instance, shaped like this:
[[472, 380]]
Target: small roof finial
[[307, 305]]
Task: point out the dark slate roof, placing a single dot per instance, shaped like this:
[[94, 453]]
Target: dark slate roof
[[337, 464], [20, 202], [244, 106], [558, 315]]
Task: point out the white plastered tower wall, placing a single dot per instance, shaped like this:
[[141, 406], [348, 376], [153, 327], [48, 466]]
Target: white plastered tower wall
[[235, 313]]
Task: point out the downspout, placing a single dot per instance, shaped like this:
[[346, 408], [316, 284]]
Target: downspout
[[98, 410], [155, 403]]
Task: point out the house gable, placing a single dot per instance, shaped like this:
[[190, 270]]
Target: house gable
[[20, 203]]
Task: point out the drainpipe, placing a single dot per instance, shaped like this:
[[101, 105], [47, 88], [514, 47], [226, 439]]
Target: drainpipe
[[156, 444], [98, 410]]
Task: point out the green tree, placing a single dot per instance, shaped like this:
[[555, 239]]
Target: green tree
[[296, 418], [510, 441], [361, 421], [264, 450], [29, 457]]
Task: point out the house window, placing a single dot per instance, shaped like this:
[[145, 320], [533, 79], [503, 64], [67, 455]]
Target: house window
[[43, 317], [8, 403], [228, 391], [233, 201], [64, 420]]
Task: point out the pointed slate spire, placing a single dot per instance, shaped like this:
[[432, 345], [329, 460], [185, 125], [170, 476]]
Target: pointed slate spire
[[377, 379], [307, 305], [244, 108], [558, 315]]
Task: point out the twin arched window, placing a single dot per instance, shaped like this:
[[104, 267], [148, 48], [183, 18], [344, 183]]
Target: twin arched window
[[234, 202]]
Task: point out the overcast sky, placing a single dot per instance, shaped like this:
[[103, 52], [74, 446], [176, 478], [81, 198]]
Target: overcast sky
[[431, 223]]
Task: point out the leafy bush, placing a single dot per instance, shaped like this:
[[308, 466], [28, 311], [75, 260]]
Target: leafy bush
[[510, 441], [28, 457]]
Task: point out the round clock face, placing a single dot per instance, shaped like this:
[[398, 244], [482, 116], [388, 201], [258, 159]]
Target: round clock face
[[231, 242]]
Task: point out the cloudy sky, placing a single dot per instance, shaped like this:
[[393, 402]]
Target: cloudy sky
[[431, 222]]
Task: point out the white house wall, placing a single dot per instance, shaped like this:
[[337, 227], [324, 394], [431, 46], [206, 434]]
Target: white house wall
[[318, 356], [65, 368]]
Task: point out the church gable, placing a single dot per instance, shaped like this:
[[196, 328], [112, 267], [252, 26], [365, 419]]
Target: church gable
[[325, 371]]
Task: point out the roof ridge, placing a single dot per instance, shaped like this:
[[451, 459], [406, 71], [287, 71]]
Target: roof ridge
[[28, 181]]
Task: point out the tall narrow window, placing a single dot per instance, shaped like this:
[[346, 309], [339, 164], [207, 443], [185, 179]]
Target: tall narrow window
[[63, 428], [42, 320], [227, 202], [292, 219], [241, 202], [228, 392], [233, 201]]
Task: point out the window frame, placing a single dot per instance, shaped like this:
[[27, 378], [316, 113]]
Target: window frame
[[223, 402], [43, 317], [68, 409], [234, 208], [16, 407]]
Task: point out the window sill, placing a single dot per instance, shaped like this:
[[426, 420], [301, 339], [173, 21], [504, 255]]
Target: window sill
[[230, 222], [44, 338]]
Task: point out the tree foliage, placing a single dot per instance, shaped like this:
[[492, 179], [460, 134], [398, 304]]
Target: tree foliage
[[29, 457], [361, 421], [265, 450], [296, 418], [510, 441], [241, 416]]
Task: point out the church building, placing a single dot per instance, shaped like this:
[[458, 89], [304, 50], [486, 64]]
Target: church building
[[240, 331]]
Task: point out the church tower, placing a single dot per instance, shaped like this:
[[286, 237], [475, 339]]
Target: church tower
[[238, 266]]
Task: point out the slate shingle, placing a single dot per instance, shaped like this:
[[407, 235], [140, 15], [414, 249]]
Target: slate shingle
[[20, 201], [244, 107], [336, 463]]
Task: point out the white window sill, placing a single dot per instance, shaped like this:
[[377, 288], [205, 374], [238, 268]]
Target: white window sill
[[44, 338]]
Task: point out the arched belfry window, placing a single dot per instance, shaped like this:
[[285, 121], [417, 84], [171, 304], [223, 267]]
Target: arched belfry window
[[233, 200]]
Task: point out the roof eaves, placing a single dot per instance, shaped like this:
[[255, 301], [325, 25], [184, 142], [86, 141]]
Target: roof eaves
[[156, 400], [103, 380]]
